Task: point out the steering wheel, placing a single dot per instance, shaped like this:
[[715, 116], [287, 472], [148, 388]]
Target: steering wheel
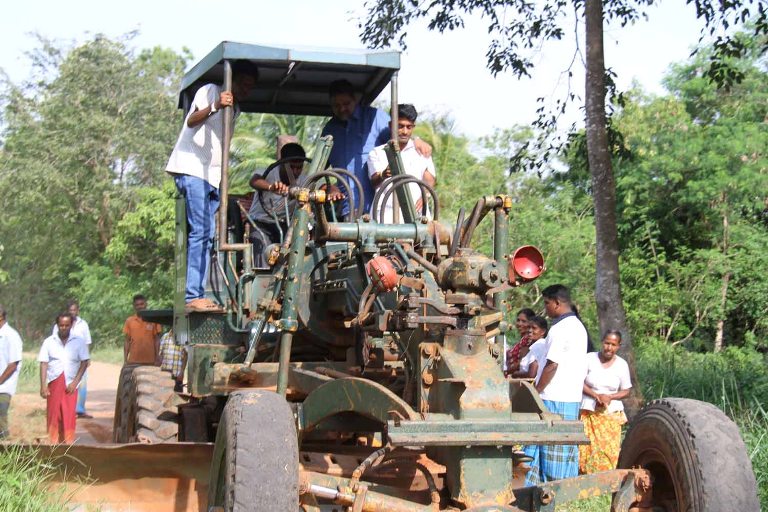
[[271, 210]]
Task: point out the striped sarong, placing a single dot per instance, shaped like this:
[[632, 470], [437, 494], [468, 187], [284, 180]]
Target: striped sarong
[[557, 461]]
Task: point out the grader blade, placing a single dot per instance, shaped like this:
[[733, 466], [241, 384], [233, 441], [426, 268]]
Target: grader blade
[[135, 477]]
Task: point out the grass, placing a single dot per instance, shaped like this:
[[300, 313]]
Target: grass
[[735, 380], [29, 376], [23, 482], [108, 354]]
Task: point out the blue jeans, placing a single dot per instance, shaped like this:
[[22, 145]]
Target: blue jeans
[[82, 392], [202, 201]]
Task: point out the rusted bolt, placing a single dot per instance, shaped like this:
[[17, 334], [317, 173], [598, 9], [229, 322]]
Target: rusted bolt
[[546, 498], [427, 378]]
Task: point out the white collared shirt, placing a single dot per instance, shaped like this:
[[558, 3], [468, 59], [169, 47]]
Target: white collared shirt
[[63, 357], [415, 165], [198, 149], [567, 346], [10, 352], [79, 329]]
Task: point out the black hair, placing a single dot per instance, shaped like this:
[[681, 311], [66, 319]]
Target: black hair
[[139, 296], [407, 111], [292, 149], [342, 86], [540, 322], [614, 332], [245, 68], [73, 302], [528, 312], [63, 315], [557, 292], [3, 313]]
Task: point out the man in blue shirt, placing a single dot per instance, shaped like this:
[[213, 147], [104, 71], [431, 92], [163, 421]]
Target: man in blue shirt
[[356, 130]]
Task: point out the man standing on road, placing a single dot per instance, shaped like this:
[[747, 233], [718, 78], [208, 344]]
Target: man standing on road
[[356, 130], [560, 382], [80, 329], [142, 338], [63, 360], [415, 164], [195, 165], [10, 365]]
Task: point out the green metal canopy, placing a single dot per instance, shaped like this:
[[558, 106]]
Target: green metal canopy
[[295, 80]]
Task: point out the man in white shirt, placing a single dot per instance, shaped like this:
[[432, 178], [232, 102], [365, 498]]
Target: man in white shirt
[[195, 165], [63, 360], [560, 382], [414, 162], [81, 330], [10, 365]]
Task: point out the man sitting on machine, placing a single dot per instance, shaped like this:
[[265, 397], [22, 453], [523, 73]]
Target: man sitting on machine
[[270, 209]]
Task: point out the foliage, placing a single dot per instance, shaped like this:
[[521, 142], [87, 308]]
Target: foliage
[[734, 380], [23, 482], [95, 122], [29, 375]]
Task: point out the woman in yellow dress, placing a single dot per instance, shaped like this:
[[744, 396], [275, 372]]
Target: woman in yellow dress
[[602, 412]]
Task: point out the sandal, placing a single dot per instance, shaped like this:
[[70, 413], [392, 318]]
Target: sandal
[[202, 305]]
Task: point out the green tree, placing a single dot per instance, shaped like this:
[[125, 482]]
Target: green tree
[[518, 26], [95, 121], [692, 206]]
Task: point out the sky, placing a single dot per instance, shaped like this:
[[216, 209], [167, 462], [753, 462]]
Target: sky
[[440, 72]]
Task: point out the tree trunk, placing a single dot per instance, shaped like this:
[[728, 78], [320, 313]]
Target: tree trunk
[[610, 308], [720, 334]]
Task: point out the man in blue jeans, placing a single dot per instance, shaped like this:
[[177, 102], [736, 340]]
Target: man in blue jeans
[[195, 165]]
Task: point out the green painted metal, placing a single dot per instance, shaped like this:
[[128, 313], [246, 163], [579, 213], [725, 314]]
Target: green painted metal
[[467, 383], [201, 360], [292, 280], [500, 253], [548, 497], [362, 231], [403, 193], [455, 432], [361, 396]]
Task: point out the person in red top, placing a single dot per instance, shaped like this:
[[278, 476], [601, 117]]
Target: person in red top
[[512, 356], [142, 338]]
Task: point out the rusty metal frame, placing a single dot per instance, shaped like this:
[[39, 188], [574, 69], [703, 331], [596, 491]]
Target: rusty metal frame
[[629, 486], [361, 396]]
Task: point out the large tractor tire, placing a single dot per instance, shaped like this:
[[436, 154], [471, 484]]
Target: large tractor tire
[[696, 457], [122, 404], [255, 465], [156, 418], [145, 409]]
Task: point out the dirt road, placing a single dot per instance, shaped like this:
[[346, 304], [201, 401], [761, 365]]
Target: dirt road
[[102, 387], [27, 415]]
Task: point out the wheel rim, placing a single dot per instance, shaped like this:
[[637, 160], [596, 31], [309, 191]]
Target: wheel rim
[[665, 487]]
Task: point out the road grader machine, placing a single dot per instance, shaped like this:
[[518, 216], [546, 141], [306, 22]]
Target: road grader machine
[[360, 369]]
